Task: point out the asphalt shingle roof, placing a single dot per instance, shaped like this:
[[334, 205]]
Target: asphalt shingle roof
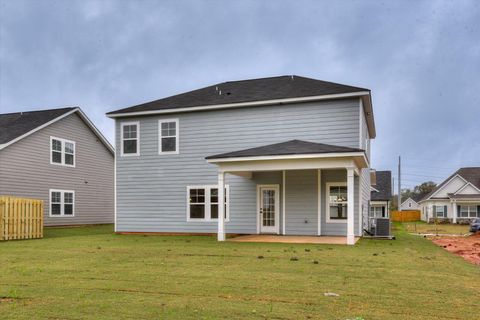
[[281, 87], [292, 147], [14, 125], [384, 187], [470, 174]]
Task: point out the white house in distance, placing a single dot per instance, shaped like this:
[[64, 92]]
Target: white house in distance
[[411, 203], [457, 199]]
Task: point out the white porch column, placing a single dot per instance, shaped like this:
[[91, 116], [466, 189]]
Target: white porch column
[[350, 206], [221, 206], [454, 204]]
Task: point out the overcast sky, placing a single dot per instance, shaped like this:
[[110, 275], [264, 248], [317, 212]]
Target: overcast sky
[[421, 59]]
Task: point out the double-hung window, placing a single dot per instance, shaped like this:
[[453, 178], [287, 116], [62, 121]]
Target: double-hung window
[[466, 211], [377, 211], [440, 211], [130, 133], [168, 136], [337, 198], [62, 203], [202, 203], [62, 152]]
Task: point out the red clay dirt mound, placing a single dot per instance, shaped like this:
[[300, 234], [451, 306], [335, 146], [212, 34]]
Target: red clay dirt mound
[[466, 247]]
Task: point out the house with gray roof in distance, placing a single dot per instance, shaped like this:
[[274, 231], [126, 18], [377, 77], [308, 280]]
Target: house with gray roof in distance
[[457, 199], [60, 157], [284, 155], [411, 203], [381, 194]]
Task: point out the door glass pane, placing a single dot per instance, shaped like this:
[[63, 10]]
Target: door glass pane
[[268, 208]]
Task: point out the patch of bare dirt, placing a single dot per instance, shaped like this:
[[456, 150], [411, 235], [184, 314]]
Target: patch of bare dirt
[[466, 247]]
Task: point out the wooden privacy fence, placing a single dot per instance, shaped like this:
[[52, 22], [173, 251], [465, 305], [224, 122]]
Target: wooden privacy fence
[[405, 216], [20, 218]]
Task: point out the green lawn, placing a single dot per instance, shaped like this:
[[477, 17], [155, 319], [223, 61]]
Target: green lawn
[[90, 273], [422, 227]]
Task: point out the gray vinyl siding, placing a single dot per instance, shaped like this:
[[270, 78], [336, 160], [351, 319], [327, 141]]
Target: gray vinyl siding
[[25, 171], [301, 216], [151, 188]]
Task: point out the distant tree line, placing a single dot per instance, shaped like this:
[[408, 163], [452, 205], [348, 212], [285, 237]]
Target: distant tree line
[[416, 193]]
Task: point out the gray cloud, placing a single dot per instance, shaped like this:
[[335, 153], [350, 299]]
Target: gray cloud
[[420, 58]]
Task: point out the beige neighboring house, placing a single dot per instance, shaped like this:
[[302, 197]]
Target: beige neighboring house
[[60, 157], [457, 199], [381, 194]]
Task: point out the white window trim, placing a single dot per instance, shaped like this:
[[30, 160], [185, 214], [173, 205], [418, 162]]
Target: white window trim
[[62, 203], [469, 212], [63, 141], [177, 136], [208, 206], [444, 213], [123, 124], [327, 201]]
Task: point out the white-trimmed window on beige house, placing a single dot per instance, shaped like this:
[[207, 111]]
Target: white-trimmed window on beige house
[[378, 211], [62, 152], [202, 203], [337, 199], [468, 211], [130, 138], [440, 211], [168, 139], [62, 203]]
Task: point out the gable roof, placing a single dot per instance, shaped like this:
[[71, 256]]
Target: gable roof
[[253, 92], [469, 174], [383, 187], [292, 147], [18, 125]]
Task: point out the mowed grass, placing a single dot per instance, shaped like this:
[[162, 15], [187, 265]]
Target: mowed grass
[[426, 228], [91, 273]]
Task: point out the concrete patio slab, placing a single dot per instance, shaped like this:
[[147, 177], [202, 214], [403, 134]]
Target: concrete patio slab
[[291, 239]]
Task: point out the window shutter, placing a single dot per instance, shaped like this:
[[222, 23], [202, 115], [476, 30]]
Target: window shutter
[[383, 211], [478, 211], [434, 211], [445, 211]]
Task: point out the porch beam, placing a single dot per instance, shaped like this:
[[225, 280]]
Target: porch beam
[[221, 206], [279, 165], [350, 206]]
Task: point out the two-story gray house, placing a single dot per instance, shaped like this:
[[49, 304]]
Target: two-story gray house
[[60, 157], [284, 155]]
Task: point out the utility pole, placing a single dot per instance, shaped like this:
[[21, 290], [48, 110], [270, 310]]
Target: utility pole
[[399, 183]]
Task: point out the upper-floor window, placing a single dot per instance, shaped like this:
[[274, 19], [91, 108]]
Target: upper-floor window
[[62, 152], [62, 203], [168, 136], [130, 133], [337, 197]]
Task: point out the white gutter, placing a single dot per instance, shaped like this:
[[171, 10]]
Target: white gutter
[[295, 156], [241, 104]]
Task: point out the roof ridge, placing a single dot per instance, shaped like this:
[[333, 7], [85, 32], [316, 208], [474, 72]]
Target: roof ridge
[[43, 110]]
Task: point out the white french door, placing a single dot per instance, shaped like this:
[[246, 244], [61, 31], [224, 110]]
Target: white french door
[[268, 208]]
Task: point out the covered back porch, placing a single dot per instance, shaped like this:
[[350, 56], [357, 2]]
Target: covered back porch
[[303, 189]]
